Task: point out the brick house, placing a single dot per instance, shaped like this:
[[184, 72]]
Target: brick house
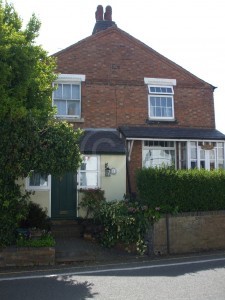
[[137, 109]]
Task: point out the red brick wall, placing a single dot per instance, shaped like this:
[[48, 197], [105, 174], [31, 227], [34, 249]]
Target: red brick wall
[[190, 232], [134, 164], [114, 92]]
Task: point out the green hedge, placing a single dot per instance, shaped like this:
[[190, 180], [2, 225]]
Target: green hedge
[[189, 190]]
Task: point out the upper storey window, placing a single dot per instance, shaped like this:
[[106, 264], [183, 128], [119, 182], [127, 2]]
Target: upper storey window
[[160, 98], [160, 101], [67, 95]]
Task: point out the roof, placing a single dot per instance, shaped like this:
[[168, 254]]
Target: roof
[[130, 132], [102, 141]]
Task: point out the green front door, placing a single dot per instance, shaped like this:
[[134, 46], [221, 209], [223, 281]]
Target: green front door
[[64, 197]]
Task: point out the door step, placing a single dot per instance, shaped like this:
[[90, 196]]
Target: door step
[[66, 229]]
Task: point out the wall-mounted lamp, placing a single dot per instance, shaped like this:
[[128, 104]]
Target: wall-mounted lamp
[[107, 170]]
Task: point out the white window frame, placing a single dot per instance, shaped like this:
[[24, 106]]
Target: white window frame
[[38, 187], [71, 79], [160, 117], [90, 171], [160, 82], [217, 154], [160, 86]]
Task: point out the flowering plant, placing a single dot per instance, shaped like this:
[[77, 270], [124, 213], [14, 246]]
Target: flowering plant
[[125, 222]]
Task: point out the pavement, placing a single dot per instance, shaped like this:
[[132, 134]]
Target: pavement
[[79, 250]]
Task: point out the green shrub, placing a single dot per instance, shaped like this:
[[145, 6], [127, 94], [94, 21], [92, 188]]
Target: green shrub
[[13, 207], [189, 190], [91, 200], [36, 217], [125, 222]]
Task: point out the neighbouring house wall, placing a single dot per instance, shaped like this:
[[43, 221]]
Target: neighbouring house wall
[[190, 232], [115, 185]]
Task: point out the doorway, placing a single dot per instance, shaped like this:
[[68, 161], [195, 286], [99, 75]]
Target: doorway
[[64, 197]]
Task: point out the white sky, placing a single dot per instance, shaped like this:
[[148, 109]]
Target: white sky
[[188, 32]]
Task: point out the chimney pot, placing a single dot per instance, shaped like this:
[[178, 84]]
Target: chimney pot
[[99, 13], [108, 13]]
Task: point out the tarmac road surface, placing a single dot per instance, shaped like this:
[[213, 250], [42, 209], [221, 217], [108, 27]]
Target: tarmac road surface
[[187, 278]]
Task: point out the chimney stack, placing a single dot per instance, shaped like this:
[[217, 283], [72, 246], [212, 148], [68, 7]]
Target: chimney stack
[[102, 24]]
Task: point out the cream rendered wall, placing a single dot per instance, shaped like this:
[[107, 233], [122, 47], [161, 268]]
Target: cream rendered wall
[[115, 185], [43, 199]]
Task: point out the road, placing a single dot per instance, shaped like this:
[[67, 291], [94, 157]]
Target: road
[[190, 278]]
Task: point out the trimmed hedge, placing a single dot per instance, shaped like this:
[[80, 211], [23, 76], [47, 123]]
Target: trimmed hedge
[[188, 190]]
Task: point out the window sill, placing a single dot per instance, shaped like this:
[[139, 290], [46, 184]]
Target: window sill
[[85, 188], [38, 189], [158, 121], [71, 119]]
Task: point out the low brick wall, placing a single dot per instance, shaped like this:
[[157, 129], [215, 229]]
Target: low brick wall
[[190, 232], [26, 256]]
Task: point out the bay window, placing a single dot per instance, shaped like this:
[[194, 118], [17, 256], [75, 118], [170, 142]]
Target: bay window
[[158, 154], [206, 155], [183, 154]]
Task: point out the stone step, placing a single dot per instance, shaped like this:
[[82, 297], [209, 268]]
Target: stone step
[[66, 229], [68, 250]]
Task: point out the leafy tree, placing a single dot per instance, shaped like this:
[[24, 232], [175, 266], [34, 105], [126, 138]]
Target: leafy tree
[[31, 139]]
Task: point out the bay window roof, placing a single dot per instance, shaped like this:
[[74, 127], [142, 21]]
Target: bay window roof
[[132, 132]]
